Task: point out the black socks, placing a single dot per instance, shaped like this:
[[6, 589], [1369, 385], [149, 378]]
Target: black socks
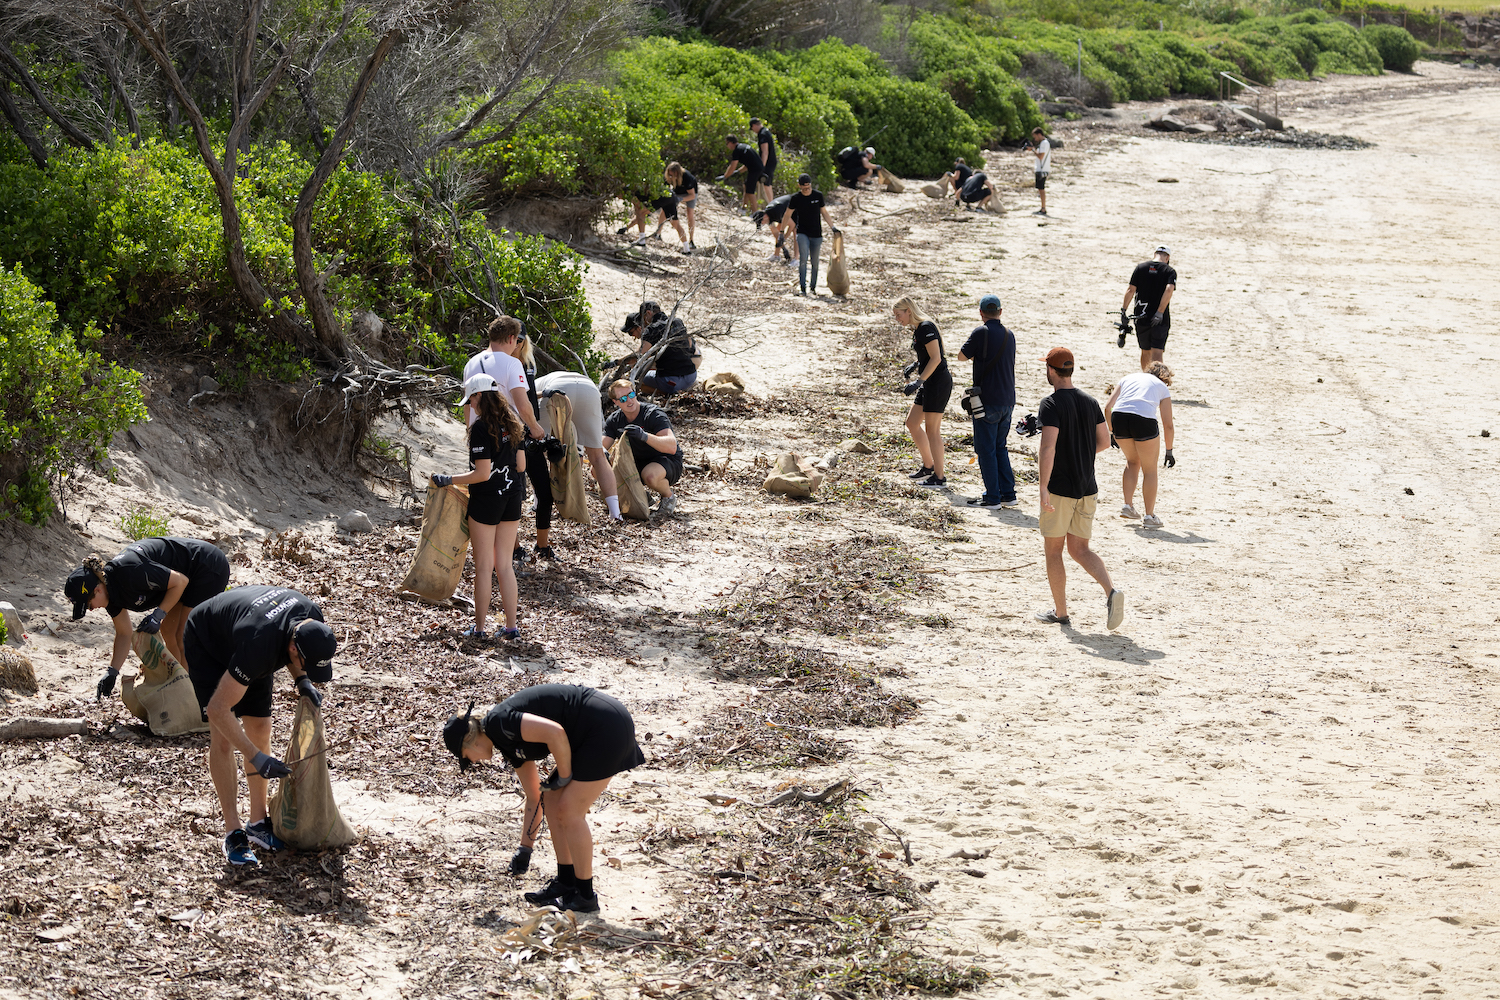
[[585, 886], [566, 877]]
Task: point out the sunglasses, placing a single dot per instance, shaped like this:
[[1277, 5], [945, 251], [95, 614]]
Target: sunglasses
[[628, 395]]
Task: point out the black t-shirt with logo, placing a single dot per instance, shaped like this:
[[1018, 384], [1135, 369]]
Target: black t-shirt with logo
[[561, 703], [766, 138], [246, 630], [137, 579], [927, 333], [998, 388], [777, 208], [677, 358], [749, 156], [1151, 280], [1077, 416], [503, 476], [807, 213], [686, 186], [654, 421]]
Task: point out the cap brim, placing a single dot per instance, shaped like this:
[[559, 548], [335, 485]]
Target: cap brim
[[320, 672], [80, 608]]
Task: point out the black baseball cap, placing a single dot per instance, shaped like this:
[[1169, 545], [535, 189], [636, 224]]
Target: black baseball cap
[[80, 590], [455, 731], [804, 179], [316, 642], [631, 322]]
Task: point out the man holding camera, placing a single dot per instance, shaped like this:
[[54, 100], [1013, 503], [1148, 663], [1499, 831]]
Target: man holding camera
[[1151, 286], [992, 348]]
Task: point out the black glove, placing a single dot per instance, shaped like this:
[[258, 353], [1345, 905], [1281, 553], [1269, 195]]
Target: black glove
[[520, 862], [1155, 320], [636, 432], [1170, 461], [151, 624], [556, 782], [554, 449], [269, 767], [106, 684], [909, 370], [306, 690], [1112, 442], [441, 479], [911, 387], [836, 230]]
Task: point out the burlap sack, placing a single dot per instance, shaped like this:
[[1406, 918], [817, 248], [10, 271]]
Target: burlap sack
[[933, 190], [303, 812], [793, 476], [567, 475], [725, 384], [837, 279], [892, 182], [628, 482], [438, 565], [164, 698]]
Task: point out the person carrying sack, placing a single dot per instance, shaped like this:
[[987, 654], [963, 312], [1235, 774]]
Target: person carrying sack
[[990, 402]]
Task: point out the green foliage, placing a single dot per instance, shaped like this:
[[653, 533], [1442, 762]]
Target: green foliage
[[4, 630], [145, 521], [1398, 49], [978, 73], [59, 405], [1309, 42]]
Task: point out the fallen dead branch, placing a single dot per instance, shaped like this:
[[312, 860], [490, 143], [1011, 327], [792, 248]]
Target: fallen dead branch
[[34, 728], [800, 794]]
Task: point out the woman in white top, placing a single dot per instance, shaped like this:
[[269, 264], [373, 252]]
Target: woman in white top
[[1131, 412]]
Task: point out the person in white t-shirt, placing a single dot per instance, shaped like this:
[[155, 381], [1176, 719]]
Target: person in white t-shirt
[[1042, 149], [500, 364], [1131, 411]]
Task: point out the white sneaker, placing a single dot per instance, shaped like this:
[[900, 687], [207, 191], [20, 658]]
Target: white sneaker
[[1116, 606], [1151, 521], [1129, 513]]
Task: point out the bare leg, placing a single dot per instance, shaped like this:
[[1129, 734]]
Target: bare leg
[[690, 212], [1057, 574], [259, 731], [935, 441], [567, 822], [1132, 468], [1158, 354], [172, 628], [505, 544], [681, 234], [1086, 557], [918, 435], [1148, 451], [226, 778], [1145, 360], [604, 473], [482, 540], [655, 478]]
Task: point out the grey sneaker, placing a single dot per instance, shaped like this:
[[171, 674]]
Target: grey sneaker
[[1116, 609], [1051, 617], [667, 507], [1151, 521], [1129, 513]]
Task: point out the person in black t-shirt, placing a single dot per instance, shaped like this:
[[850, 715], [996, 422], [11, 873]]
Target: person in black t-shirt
[[977, 192], [685, 187], [932, 387], [808, 212], [590, 738], [992, 348], [743, 156], [956, 177], [1073, 432], [496, 491], [658, 456], [235, 643], [171, 575], [781, 227], [677, 365], [1151, 286], [765, 144], [537, 470]]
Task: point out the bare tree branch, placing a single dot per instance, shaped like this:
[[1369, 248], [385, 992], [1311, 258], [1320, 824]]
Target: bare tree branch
[[22, 128], [18, 72]]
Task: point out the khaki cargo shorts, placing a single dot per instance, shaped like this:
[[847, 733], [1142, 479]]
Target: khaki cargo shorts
[[1071, 517]]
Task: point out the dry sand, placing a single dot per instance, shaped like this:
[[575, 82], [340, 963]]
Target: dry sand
[[1277, 778]]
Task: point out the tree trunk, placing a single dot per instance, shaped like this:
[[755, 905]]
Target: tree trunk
[[18, 71], [32, 141], [313, 284]]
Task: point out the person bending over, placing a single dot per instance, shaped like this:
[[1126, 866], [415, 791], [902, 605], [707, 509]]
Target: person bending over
[[743, 157], [954, 179], [588, 427], [658, 456], [677, 365], [685, 187], [1131, 413], [781, 227]]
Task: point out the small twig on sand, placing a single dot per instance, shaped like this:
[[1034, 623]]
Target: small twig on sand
[[905, 845], [799, 794]]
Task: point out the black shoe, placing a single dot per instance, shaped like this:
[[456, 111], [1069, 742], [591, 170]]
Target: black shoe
[[519, 555], [545, 552], [622, 230], [572, 899], [921, 473], [547, 895], [935, 482]]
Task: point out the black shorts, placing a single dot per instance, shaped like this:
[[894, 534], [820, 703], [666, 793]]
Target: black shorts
[[671, 466], [606, 745], [1149, 338], [667, 205], [752, 180], [1133, 426], [935, 392], [210, 577], [768, 175], [1041, 182], [493, 508], [205, 672]]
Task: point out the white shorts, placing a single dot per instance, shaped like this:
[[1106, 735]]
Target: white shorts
[[588, 409]]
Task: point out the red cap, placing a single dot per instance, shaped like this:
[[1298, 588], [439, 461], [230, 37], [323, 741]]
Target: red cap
[[1059, 357]]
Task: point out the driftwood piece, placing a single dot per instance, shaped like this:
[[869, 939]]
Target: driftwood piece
[[800, 794], [34, 728]]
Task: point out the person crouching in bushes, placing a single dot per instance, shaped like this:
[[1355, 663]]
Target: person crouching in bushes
[[496, 490], [590, 738], [658, 456]]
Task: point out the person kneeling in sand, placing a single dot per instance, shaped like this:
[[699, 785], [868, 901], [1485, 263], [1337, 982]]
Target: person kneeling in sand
[[658, 456], [590, 738]]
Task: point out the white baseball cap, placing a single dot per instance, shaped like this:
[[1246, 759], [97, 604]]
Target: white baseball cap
[[479, 383], [1162, 250], [869, 150]]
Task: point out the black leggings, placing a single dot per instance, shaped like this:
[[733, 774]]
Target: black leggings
[[541, 482]]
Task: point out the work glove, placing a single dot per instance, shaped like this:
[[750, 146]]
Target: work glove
[[911, 387], [151, 624], [1112, 442], [441, 479], [909, 370], [1155, 320], [719, 178], [556, 782], [553, 448], [520, 862], [269, 767], [1170, 461], [636, 432], [106, 684], [836, 230], [306, 689]]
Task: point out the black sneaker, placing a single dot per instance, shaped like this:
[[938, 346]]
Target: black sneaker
[[547, 895], [922, 473], [237, 850], [622, 230], [545, 552], [519, 555], [573, 899], [934, 482], [985, 502]]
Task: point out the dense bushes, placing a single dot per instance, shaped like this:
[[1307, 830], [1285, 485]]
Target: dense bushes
[[1398, 49], [59, 405], [978, 73]]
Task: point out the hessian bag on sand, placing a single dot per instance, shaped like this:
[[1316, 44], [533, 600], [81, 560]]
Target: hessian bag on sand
[[892, 182], [164, 698], [837, 278], [438, 565], [303, 812], [792, 476], [632, 494], [567, 475]]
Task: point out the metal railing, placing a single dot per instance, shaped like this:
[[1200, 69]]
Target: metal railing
[[1225, 79]]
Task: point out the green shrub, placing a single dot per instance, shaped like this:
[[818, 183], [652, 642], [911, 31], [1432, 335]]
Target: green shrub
[[977, 72], [59, 405], [145, 521], [1398, 49]]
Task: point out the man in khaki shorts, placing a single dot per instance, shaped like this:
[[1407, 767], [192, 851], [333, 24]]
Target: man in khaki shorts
[[1073, 432]]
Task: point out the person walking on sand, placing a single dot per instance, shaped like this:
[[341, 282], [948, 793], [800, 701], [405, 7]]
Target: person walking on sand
[[1073, 432], [992, 348], [1131, 412], [1041, 148], [497, 461], [1152, 284], [932, 387], [808, 212], [590, 738]]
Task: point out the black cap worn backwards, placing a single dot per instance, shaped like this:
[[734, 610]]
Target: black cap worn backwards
[[80, 590], [317, 644], [455, 730]]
